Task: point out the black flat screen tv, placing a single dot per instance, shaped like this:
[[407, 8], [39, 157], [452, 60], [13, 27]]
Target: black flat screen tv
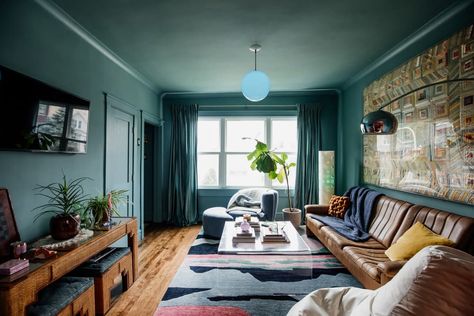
[[37, 117]]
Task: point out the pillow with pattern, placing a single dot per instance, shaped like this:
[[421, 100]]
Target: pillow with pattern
[[338, 206]]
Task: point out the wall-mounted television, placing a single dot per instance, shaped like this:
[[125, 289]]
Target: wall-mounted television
[[37, 117]]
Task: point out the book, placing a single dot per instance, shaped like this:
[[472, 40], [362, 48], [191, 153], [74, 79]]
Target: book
[[238, 239], [240, 233], [13, 266]]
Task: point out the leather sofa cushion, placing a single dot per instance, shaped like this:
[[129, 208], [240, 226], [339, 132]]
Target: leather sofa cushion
[[459, 229], [387, 218], [315, 222], [367, 259], [341, 241]]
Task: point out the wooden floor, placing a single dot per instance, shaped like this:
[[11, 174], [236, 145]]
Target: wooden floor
[[160, 255]]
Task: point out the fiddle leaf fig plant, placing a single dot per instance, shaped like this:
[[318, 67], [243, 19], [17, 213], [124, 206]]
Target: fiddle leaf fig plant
[[275, 165]]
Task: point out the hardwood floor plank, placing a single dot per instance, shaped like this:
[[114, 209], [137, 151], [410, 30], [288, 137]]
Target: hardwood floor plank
[[160, 255]]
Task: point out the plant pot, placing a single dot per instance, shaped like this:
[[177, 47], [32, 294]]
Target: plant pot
[[293, 216], [64, 226]]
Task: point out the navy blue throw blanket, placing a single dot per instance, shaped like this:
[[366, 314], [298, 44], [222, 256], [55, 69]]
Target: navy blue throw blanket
[[355, 225]]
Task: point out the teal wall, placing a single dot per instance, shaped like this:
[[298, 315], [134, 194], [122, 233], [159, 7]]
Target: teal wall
[[272, 105], [350, 146], [36, 44]]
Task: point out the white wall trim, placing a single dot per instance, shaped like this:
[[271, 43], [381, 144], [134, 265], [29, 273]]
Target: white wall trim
[[428, 27], [77, 28]]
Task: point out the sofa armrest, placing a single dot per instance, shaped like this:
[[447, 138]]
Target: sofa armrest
[[317, 209], [388, 269]]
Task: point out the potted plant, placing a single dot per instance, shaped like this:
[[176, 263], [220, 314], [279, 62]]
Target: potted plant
[[276, 166], [103, 207], [66, 200]]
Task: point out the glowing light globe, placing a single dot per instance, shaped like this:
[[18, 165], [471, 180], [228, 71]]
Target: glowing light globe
[[255, 86]]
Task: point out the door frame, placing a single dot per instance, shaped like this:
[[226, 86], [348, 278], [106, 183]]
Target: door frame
[[111, 101], [157, 122]]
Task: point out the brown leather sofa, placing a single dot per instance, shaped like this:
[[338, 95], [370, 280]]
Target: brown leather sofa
[[390, 219]]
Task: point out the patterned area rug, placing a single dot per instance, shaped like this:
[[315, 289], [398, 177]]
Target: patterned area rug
[[211, 284]]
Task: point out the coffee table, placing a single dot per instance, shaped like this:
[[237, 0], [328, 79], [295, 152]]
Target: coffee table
[[296, 245]]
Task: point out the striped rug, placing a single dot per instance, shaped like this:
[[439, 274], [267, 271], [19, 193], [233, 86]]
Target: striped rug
[[211, 284]]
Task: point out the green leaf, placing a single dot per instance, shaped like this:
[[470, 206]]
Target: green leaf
[[261, 146], [284, 156], [281, 175], [276, 158], [272, 175], [253, 166], [252, 155], [293, 164]]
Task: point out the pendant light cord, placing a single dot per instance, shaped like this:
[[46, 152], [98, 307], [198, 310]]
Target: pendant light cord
[[255, 51]]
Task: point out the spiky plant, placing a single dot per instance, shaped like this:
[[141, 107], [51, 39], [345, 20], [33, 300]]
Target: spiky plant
[[106, 204], [64, 198]]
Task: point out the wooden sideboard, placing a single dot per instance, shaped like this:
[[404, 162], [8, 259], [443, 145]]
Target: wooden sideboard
[[20, 290]]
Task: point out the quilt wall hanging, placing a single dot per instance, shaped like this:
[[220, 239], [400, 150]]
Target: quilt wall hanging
[[432, 153]]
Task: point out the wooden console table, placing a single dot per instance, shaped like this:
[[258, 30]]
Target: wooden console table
[[19, 291]]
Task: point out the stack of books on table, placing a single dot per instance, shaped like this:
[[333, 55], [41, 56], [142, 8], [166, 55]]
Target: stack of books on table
[[241, 236], [254, 222], [270, 234]]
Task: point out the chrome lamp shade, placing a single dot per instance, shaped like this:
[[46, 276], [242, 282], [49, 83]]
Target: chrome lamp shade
[[379, 123]]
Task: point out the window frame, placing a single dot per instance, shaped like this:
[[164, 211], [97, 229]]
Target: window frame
[[223, 153]]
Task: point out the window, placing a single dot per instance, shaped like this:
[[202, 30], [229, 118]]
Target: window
[[222, 151]]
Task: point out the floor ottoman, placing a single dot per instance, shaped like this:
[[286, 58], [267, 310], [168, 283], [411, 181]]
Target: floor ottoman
[[213, 221]]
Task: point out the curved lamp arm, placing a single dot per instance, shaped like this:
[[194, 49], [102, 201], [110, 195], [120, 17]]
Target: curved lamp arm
[[385, 123]]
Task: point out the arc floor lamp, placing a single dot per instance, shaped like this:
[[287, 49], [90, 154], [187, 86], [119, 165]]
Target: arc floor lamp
[[381, 122]]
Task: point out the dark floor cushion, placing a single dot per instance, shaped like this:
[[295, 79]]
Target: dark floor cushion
[[95, 269], [52, 299]]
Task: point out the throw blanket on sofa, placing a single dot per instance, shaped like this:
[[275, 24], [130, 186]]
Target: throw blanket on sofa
[[245, 201], [355, 225]]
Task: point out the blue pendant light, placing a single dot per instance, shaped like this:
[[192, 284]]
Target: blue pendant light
[[255, 84]]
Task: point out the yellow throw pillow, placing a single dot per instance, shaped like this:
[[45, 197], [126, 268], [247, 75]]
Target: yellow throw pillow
[[413, 240], [338, 206]]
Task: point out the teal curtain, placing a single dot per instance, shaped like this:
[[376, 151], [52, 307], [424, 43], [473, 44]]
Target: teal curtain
[[182, 182], [309, 144]]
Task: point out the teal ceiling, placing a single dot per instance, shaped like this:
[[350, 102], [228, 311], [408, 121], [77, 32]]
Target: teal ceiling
[[202, 46]]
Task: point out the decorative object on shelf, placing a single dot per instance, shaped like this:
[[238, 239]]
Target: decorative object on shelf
[[254, 222], [326, 176], [274, 233], [52, 243], [103, 207], [267, 161], [245, 226], [432, 98], [255, 84], [8, 229], [66, 200], [18, 248]]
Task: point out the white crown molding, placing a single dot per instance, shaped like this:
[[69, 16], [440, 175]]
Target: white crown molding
[[428, 27], [77, 28]]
